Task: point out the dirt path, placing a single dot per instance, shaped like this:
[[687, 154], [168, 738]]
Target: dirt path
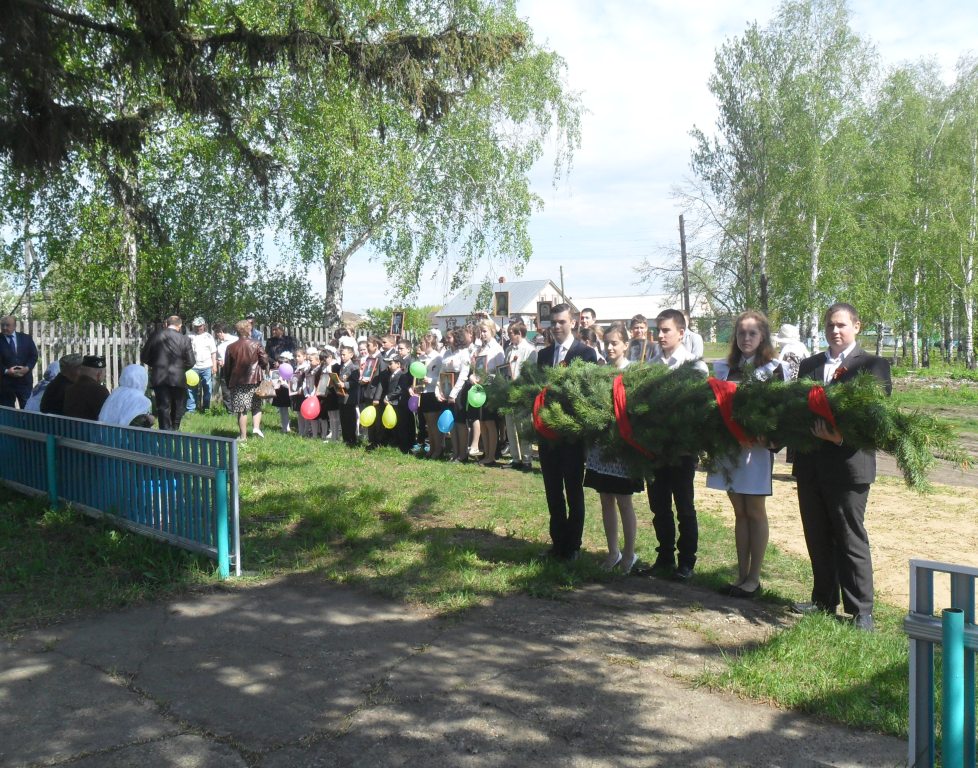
[[902, 524]]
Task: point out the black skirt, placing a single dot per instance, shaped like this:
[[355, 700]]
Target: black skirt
[[282, 398], [602, 483], [430, 404]]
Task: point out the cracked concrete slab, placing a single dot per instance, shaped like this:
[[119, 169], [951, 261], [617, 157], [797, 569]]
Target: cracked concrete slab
[[301, 672], [53, 708]]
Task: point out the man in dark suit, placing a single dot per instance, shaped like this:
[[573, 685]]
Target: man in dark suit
[[18, 356], [834, 481], [562, 462], [169, 355]]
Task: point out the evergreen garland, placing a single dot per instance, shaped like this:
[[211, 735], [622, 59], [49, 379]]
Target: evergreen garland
[[675, 413]]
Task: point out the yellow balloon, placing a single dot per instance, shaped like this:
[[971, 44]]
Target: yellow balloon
[[389, 419], [368, 416], [193, 378]]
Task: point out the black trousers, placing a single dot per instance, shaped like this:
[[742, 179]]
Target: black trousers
[[562, 465], [675, 483], [348, 424], [838, 545], [10, 395], [407, 427], [171, 404]]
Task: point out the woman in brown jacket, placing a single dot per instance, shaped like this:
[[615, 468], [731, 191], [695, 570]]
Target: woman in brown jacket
[[244, 361]]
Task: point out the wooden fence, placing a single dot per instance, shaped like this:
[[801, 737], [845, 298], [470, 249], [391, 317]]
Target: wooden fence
[[118, 344]]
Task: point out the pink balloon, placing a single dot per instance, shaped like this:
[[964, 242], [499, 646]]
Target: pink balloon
[[285, 371], [414, 402], [310, 408]]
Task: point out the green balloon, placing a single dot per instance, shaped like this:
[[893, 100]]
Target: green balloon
[[418, 369], [477, 397]]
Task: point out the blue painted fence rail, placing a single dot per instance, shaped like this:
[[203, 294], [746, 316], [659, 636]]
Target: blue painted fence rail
[[926, 631], [174, 486]]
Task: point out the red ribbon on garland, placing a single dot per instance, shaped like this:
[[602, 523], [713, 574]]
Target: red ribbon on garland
[[818, 404], [538, 424], [619, 399], [723, 391]]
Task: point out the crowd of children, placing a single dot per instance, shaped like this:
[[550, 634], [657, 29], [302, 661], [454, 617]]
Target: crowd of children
[[417, 381]]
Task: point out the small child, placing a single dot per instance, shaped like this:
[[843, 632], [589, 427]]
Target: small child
[[310, 387], [296, 390], [330, 411], [282, 399], [349, 393]]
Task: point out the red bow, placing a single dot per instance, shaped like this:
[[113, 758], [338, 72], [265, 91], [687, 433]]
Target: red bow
[[538, 424], [839, 373], [818, 404], [723, 391], [618, 397]]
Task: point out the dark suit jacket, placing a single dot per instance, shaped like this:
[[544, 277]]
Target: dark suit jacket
[[545, 357], [26, 355], [169, 355], [841, 465]]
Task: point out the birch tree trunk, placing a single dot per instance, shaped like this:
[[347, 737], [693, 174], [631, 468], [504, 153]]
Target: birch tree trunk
[[915, 321], [815, 250], [126, 302]]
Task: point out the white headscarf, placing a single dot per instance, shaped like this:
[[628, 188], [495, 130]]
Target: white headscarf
[[34, 401], [128, 400]]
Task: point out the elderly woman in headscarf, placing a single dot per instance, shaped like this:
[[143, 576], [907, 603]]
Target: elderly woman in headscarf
[[127, 404], [34, 401]]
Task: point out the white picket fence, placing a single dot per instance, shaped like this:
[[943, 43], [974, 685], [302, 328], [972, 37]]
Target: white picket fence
[[118, 344]]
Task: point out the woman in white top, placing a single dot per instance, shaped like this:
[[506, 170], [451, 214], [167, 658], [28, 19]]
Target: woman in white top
[[520, 352], [488, 358], [611, 478], [455, 360], [747, 478], [428, 388]]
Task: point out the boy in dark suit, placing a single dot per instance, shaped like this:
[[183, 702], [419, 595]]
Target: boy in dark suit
[[562, 462], [834, 481]]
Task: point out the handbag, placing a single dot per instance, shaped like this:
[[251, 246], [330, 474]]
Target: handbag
[[266, 389]]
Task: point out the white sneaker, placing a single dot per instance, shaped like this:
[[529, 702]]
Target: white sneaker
[[257, 433]]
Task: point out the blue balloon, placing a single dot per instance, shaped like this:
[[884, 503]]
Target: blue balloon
[[446, 421]]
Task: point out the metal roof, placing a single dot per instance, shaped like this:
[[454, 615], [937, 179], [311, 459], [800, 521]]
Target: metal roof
[[523, 297]]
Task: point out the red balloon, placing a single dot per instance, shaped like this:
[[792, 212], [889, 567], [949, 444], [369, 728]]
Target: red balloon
[[310, 408]]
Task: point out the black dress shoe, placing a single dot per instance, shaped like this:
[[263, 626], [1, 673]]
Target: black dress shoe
[[807, 609], [663, 566], [682, 573], [745, 594], [864, 622]]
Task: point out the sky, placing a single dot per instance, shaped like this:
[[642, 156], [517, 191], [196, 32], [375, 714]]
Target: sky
[[641, 68]]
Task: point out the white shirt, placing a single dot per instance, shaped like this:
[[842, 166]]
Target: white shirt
[[833, 364], [204, 346], [679, 356], [561, 350], [222, 347]]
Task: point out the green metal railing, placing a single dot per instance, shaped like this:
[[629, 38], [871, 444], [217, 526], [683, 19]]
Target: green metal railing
[[173, 486], [956, 633]]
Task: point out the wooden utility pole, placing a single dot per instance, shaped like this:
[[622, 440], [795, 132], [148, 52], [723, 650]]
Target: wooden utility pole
[[682, 251]]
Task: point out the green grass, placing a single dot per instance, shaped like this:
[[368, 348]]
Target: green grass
[[58, 563], [442, 535]]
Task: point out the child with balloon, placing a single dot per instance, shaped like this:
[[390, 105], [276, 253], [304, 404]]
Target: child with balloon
[[282, 399]]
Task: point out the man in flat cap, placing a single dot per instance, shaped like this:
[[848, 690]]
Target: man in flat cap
[[84, 398], [53, 400]]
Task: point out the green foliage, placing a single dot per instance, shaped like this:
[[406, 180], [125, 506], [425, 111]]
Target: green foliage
[[417, 320], [674, 413]]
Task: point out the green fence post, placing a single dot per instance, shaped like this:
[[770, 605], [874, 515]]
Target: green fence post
[[51, 444], [223, 561], [952, 695]]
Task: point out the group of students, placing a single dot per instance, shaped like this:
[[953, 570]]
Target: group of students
[[351, 375], [833, 481]]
